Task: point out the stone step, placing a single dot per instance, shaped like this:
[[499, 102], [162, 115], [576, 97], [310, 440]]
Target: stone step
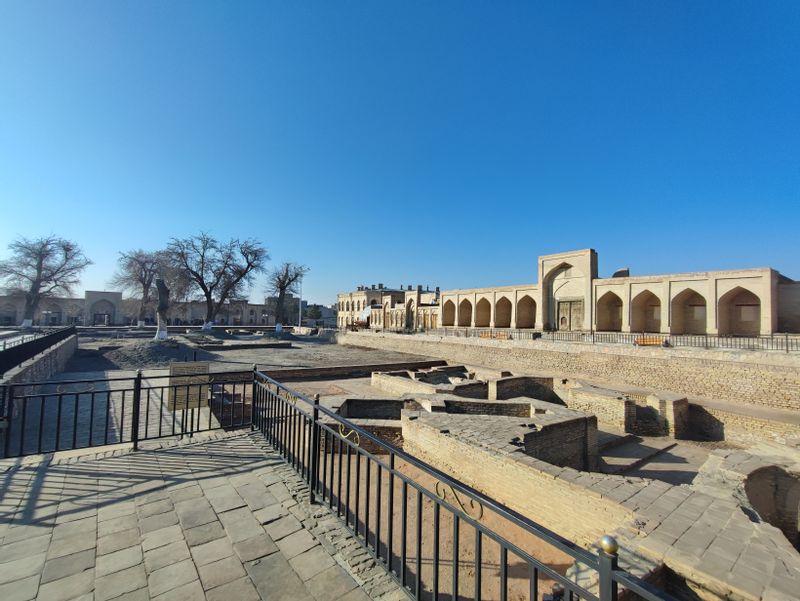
[[609, 440], [632, 454]]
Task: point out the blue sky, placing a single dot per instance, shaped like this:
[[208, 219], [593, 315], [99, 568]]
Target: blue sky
[[441, 143]]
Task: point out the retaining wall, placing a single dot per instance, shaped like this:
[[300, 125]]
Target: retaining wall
[[44, 365], [744, 377]]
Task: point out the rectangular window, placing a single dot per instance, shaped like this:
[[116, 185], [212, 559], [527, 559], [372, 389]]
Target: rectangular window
[[698, 312], [655, 312]]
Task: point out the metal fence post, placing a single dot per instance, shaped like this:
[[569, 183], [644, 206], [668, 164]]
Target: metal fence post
[[253, 400], [607, 564], [314, 471], [137, 400], [5, 410]]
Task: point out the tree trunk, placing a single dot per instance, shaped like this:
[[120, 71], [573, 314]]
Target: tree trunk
[[280, 309], [209, 314], [163, 307], [31, 302]]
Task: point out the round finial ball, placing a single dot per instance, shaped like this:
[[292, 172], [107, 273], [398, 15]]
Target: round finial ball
[[609, 544]]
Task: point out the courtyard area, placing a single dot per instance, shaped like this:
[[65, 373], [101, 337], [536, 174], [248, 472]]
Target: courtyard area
[[218, 519]]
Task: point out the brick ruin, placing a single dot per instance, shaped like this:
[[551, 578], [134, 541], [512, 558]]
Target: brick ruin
[[533, 444]]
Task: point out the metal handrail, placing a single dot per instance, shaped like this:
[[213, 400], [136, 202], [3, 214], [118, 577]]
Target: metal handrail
[[281, 427]]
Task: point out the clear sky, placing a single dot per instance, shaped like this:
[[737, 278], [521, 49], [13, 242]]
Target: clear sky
[[441, 143]]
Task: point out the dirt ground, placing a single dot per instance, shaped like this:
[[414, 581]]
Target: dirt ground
[[95, 355]]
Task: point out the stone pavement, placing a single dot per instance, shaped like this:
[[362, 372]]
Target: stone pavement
[[220, 519]]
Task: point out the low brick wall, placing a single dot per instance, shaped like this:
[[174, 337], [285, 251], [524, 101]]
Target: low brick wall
[[745, 377], [569, 509], [527, 386], [610, 407], [44, 365], [399, 383], [715, 424]]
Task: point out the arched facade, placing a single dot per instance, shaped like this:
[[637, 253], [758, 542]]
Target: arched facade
[[565, 297], [502, 313], [410, 313], [526, 312], [571, 296], [609, 313], [483, 313], [689, 313], [465, 313], [646, 313], [739, 313], [102, 312], [449, 313]]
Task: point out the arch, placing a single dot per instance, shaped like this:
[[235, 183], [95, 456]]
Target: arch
[[502, 313], [775, 494], [410, 315], [8, 315], [373, 303], [563, 295], [646, 312], [347, 306], [102, 313], [609, 313], [526, 312], [465, 313], [688, 311], [50, 314], [449, 313], [739, 313], [483, 313]]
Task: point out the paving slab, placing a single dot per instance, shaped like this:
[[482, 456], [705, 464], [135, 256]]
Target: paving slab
[[171, 524]]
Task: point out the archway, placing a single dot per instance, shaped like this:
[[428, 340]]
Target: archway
[[102, 313], [739, 312], [8, 315], [449, 313], [465, 313], [646, 313], [502, 313], [526, 312], [483, 313], [609, 313], [688, 313], [564, 294], [410, 315]]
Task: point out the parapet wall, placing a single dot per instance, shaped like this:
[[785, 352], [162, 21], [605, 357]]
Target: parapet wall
[[746, 377], [44, 365]]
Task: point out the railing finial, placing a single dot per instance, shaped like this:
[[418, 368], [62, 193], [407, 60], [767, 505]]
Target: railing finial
[[609, 544]]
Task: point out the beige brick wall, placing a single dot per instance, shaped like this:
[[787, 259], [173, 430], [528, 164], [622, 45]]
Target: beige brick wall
[[746, 377], [522, 483]]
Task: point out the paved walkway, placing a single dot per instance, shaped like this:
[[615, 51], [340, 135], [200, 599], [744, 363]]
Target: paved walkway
[[223, 519]]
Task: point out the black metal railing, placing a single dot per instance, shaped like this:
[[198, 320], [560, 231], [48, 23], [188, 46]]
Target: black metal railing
[[788, 343], [436, 536], [44, 417], [18, 350]]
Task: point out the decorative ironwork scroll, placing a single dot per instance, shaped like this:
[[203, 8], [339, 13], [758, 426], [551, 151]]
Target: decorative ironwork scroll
[[353, 433], [473, 511]]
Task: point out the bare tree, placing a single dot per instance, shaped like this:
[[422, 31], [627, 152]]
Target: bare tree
[[284, 279], [136, 272], [40, 268], [222, 270]]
